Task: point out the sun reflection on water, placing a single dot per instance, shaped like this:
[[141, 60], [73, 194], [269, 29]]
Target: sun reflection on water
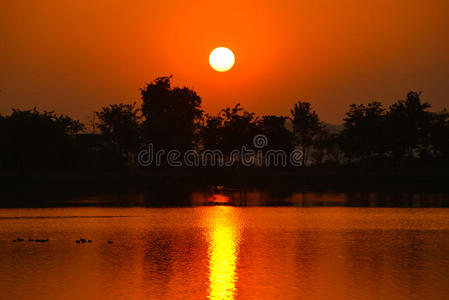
[[224, 237]]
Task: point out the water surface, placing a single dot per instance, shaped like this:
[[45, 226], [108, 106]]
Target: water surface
[[225, 252]]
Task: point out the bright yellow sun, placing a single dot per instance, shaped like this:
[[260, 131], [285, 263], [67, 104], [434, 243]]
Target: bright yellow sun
[[221, 59]]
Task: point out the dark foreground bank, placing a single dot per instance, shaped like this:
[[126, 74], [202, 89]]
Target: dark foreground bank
[[248, 177], [237, 187]]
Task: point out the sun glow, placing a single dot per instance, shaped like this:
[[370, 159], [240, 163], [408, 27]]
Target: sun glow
[[221, 59]]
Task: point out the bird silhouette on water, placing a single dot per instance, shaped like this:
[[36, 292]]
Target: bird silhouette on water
[[31, 240], [46, 240], [83, 241]]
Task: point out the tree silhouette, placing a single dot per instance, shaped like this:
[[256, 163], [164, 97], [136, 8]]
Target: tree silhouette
[[120, 124], [363, 134], [323, 145], [334, 148], [306, 124], [279, 137], [211, 132], [407, 124], [33, 140], [232, 129], [171, 115], [172, 118], [239, 128], [439, 134]]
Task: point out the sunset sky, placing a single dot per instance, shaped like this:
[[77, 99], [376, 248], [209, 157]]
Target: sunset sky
[[77, 56]]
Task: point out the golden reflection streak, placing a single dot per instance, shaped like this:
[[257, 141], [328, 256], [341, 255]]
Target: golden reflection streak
[[224, 236]]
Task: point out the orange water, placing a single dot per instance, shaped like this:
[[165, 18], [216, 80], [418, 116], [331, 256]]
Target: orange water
[[223, 252]]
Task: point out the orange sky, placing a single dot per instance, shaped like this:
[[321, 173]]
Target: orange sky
[[76, 56]]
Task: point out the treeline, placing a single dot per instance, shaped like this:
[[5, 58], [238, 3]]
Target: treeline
[[406, 133]]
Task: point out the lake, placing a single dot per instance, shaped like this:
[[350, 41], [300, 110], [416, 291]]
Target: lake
[[270, 247]]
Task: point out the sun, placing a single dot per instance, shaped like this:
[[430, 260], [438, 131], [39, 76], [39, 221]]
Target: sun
[[221, 59]]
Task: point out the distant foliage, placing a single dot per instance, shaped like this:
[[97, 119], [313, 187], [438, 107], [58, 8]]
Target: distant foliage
[[404, 134], [171, 115], [33, 140], [233, 127], [306, 125], [121, 125], [364, 133], [407, 126], [275, 129]]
